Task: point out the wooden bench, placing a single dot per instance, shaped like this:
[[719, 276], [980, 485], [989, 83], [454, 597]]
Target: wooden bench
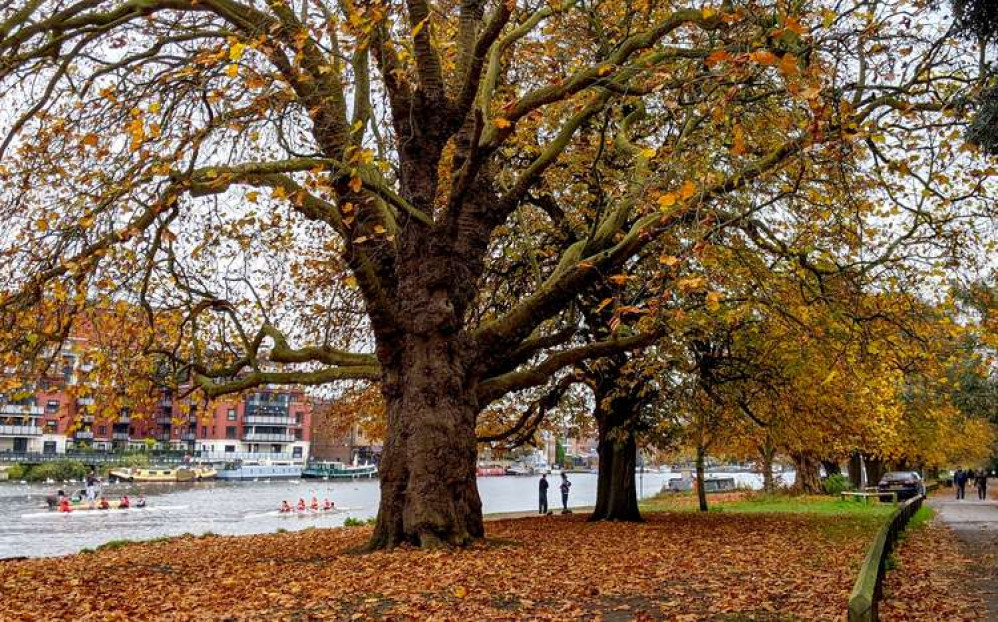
[[866, 496]]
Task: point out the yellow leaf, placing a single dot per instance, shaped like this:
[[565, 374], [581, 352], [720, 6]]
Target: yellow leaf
[[90, 140], [687, 190], [42, 224], [155, 107], [668, 260], [279, 193], [501, 122], [460, 591], [713, 301], [236, 51], [252, 196], [356, 184], [378, 229], [648, 152], [232, 70], [708, 12], [667, 200], [350, 282]]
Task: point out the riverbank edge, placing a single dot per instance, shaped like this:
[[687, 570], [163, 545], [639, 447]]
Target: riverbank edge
[[494, 516]]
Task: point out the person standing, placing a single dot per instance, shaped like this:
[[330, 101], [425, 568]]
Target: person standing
[[542, 489], [960, 479], [91, 480], [981, 483], [565, 485]]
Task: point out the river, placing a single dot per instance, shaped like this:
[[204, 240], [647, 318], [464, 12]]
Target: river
[[234, 508]]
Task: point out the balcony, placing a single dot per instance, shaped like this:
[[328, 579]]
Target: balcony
[[120, 436], [164, 420], [188, 436], [20, 430], [255, 419], [87, 418], [84, 435], [268, 437], [124, 418], [166, 402], [19, 410]]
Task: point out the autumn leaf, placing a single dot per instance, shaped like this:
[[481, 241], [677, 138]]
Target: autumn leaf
[[501, 122], [356, 184], [667, 200], [764, 57]]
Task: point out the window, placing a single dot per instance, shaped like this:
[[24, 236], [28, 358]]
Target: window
[[230, 448], [298, 417], [102, 430], [275, 449], [51, 423], [296, 452], [204, 431], [231, 414], [230, 431], [49, 447], [52, 406]]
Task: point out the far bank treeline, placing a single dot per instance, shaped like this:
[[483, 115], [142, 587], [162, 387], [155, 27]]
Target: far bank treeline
[[731, 226]]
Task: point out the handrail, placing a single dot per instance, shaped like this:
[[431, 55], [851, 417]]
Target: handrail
[[867, 591]]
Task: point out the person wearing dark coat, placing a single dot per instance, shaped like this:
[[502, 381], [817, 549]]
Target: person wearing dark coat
[[960, 479], [981, 483], [543, 490], [565, 485]]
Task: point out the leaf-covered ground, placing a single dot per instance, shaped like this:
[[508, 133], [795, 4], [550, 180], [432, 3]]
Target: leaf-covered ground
[[934, 579], [677, 566]]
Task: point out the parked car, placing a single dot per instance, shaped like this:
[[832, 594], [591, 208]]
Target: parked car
[[906, 484]]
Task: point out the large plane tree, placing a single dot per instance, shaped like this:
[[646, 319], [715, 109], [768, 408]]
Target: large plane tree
[[256, 176]]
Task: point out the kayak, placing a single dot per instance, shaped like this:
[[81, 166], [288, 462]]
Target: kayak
[[86, 511], [295, 513]]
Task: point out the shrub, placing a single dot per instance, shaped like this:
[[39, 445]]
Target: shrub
[[835, 484], [353, 522], [58, 471], [17, 472], [114, 545]]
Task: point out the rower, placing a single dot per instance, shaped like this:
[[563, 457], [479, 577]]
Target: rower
[[285, 507], [315, 504], [103, 505], [141, 501], [301, 505], [123, 503], [64, 505], [327, 505]]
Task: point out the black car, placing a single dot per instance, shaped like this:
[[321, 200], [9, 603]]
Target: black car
[[906, 484]]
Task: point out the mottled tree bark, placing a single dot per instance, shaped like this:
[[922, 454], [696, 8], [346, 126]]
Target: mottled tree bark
[[616, 489], [808, 480]]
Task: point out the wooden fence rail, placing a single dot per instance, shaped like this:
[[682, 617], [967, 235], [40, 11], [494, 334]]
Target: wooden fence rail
[[869, 585]]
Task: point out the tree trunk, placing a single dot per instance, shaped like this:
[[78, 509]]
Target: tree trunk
[[808, 481], [616, 492], [831, 467], [767, 452], [701, 491], [429, 495]]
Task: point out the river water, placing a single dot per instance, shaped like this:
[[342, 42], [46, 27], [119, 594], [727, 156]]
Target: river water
[[27, 529]]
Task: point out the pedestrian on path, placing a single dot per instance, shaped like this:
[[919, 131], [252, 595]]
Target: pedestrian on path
[[543, 490], [565, 485], [981, 483], [960, 479]]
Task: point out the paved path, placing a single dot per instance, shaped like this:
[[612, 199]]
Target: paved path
[[975, 523]]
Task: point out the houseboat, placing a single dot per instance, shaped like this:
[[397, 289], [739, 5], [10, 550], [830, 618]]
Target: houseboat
[[253, 470], [339, 470], [164, 475]]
